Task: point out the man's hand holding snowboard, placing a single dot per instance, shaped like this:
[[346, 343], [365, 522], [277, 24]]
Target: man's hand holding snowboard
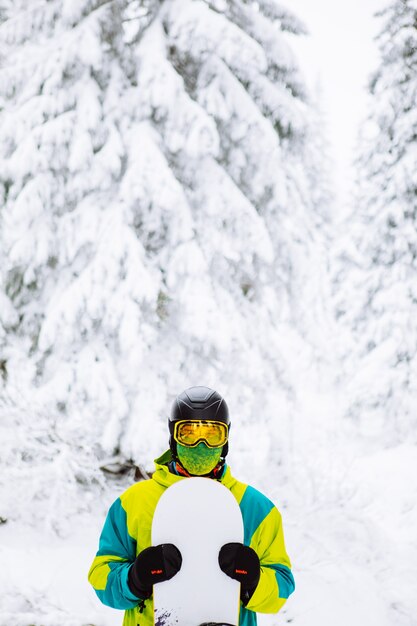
[[153, 565], [241, 563], [159, 563]]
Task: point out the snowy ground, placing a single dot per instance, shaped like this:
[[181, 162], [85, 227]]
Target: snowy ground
[[44, 577], [355, 559]]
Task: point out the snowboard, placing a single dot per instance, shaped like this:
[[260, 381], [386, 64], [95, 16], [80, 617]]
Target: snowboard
[[198, 515]]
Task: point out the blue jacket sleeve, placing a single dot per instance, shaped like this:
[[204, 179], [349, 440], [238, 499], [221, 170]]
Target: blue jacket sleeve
[[264, 533], [109, 570]]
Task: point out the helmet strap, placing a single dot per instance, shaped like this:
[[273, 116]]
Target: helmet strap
[[173, 448]]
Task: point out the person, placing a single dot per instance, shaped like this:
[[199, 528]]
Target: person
[[127, 566]]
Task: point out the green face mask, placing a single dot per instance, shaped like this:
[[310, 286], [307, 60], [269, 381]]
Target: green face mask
[[199, 460]]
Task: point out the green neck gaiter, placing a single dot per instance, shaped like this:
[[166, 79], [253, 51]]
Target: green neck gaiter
[[200, 460]]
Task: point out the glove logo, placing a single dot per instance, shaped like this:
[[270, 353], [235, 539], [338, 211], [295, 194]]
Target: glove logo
[[157, 571], [240, 571]]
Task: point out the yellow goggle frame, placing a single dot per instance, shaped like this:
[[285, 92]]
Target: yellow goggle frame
[[191, 432]]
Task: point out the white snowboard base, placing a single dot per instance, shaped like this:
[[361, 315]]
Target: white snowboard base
[[198, 515]]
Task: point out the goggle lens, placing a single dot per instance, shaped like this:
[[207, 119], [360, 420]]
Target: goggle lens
[[190, 433]]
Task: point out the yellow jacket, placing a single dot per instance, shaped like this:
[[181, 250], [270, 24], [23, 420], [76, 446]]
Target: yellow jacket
[[127, 531]]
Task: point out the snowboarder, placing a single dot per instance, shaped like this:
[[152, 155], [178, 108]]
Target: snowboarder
[[126, 565]]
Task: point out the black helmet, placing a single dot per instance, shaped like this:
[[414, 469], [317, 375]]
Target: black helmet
[[198, 403]]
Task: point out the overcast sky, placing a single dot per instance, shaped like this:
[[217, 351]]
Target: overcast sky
[[338, 56]]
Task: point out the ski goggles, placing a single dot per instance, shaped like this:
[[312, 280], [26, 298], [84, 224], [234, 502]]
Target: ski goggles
[[190, 432]]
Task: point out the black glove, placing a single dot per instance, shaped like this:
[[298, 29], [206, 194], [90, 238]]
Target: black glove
[[241, 563], [153, 565]]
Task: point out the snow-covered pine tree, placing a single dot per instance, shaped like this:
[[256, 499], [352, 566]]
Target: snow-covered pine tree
[[378, 294], [60, 157], [158, 223]]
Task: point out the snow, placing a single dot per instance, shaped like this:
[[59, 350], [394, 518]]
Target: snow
[[167, 219], [354, 558], [44, 578], [337, 58]]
